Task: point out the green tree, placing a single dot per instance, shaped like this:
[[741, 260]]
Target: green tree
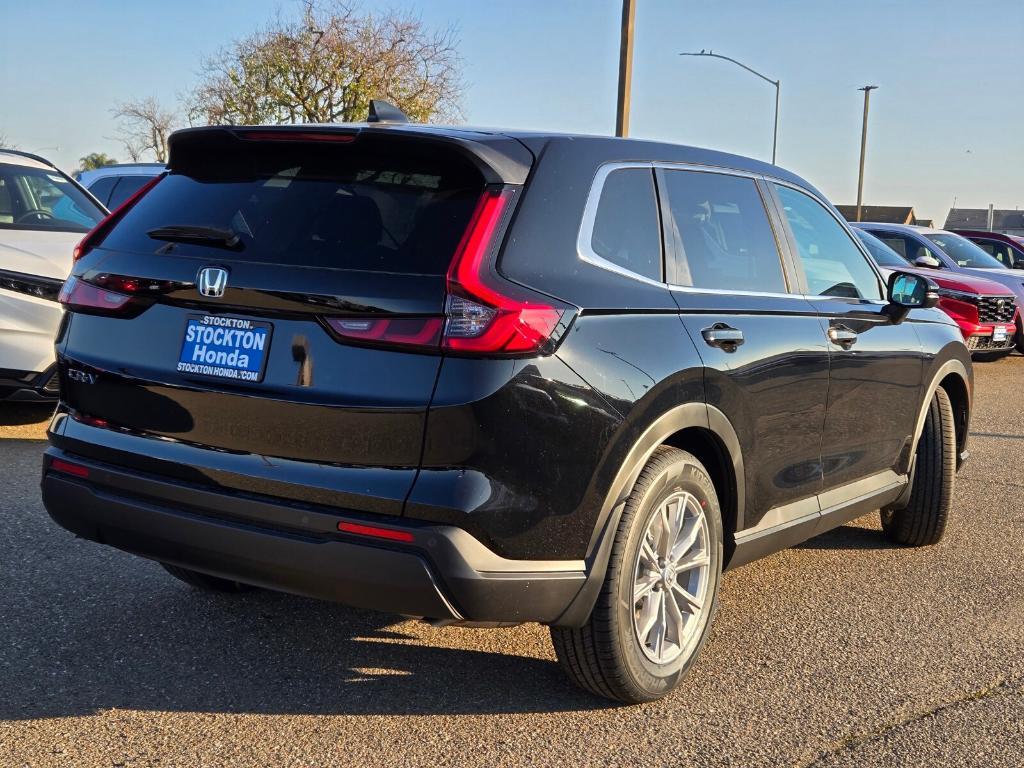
[[327, 65], [95, 160]]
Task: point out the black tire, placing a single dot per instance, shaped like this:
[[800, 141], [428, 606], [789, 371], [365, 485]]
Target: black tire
[[604, 656], [1020, 335], [923, 520], [204, 581]]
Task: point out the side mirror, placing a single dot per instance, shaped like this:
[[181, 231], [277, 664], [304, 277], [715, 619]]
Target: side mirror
[[907, 291], [928, 262]]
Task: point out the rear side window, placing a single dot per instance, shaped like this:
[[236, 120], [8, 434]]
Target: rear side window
[[626, 229], [102, 188], [833, 264], [723, 238], [126, 187], [359, 206]]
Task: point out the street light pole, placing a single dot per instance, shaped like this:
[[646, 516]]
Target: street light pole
[[863, 147], [625, 68], [776, 83]]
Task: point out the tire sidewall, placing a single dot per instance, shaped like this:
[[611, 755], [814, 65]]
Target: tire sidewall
[[683, 475]]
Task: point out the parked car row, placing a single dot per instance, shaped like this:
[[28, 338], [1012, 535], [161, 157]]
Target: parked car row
[[986, 312]]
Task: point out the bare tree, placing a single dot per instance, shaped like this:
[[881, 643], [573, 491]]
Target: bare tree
[[5, 143], [326, 66], [144, 128]]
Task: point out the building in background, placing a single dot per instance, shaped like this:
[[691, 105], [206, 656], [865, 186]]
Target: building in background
[[883, 214], [1006, 222]]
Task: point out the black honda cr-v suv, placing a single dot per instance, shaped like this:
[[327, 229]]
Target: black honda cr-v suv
[[484, 377]]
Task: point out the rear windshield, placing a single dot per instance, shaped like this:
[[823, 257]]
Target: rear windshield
[[37, 198], [341, 207]]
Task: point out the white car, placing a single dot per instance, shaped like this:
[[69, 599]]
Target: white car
[[43, 214]]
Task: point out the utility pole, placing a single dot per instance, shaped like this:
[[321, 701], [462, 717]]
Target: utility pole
[[625, 68], [863, 146]]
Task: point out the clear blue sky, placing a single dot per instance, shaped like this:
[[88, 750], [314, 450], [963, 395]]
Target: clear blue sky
[[948, 119]]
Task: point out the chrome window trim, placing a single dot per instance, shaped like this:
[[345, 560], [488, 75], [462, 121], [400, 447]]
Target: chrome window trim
[[586, 253]]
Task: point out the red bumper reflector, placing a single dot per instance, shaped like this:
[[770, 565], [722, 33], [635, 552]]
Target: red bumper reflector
[[373, 531], [66, 467]]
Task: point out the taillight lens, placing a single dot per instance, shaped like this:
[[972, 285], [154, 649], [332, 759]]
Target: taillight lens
[[98, 232], [422, 332], [81, 296], [484, 317]]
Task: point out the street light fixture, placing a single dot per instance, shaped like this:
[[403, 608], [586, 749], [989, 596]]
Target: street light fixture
[[863, 146], [775, 133]]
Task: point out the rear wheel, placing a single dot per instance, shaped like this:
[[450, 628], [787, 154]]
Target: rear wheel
[[923, 520], [660, 592], [204, 581]]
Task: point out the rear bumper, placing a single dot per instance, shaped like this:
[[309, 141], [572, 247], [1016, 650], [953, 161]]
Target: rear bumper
[[30, 386], [441, 573]]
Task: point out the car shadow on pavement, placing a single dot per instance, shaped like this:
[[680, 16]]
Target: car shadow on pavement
[[108, 641], [849, 537], [21, 414]]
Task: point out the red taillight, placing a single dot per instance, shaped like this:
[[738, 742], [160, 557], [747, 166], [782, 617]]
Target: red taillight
[[88, 242], [375, 532], [67, 468], [481, 317], [81, 296], [400, 331]]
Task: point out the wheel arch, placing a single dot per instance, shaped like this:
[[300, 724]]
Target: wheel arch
[[694, 427], [955, 377]]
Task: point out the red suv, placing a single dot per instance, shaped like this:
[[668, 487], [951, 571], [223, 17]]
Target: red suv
[[1007, 248], [985, 310]]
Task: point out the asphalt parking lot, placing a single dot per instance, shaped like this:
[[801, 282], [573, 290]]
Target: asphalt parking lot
[[845, 651]]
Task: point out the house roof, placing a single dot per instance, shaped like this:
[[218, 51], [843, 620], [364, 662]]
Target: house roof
[[885, 214], [977, 218]]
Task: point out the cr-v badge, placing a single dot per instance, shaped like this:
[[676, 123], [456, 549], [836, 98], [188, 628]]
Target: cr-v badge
[[212, 281]]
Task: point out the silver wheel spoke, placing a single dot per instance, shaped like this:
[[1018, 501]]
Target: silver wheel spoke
[[676, 617], [670, 578], [692, 560], [691, 602], [642, 588], [689, 535], [648, 616]]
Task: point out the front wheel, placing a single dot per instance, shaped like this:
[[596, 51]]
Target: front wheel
[[923, 520], [660, 592]]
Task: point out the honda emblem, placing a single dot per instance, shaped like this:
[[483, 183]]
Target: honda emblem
[[212, 281]]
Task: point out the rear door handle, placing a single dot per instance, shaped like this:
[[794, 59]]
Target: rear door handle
[[842, 336], [723, 336]]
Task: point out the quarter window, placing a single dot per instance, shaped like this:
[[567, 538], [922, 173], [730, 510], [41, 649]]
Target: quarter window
[[723, 239], [833, 264], [626, 229]]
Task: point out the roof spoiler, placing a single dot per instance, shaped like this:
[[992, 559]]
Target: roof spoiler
[[385, 112]]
